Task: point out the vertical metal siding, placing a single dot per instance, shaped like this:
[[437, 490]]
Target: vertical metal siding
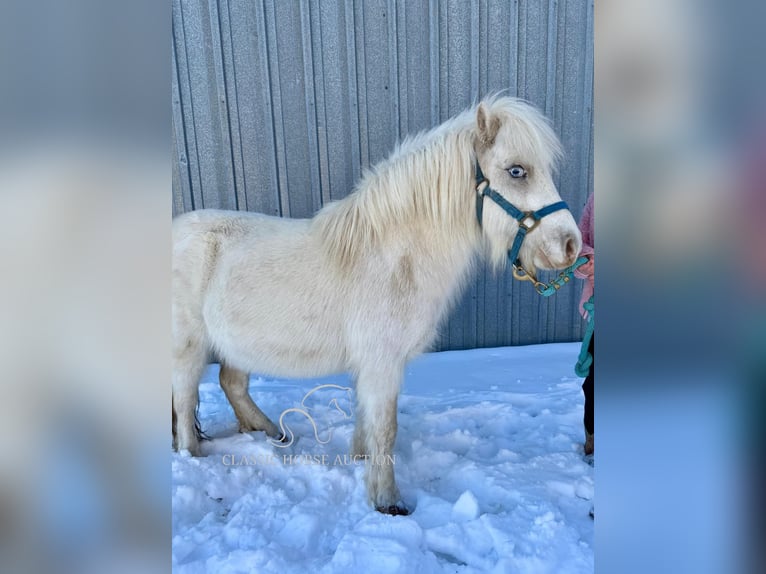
[[279, 105]]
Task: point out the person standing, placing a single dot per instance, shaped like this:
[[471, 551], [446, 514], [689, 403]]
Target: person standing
[[586, 272]]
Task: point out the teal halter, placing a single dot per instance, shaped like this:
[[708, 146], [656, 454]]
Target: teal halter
[[528, 220], [585, 359]]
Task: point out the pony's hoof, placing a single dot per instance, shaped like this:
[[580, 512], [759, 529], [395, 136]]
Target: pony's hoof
[[393, 510]]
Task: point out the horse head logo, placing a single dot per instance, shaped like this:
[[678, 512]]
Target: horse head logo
[[304, 410]]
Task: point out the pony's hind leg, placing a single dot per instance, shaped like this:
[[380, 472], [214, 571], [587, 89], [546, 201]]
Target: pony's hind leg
[[250, 417], [189, 363]]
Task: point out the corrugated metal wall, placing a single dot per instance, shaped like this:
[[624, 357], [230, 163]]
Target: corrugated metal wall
[[279, 105]]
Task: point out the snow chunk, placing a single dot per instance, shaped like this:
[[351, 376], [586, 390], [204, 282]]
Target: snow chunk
[[466, 508]]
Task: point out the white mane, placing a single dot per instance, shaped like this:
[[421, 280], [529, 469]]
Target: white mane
[[428, 181]]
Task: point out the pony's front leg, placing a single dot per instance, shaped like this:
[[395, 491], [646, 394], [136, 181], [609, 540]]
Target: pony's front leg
[[377, 394], [359, 441]]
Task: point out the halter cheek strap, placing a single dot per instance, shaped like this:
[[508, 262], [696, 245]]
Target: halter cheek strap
[[527, 220]]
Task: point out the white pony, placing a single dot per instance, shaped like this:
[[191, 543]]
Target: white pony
[[362, 286]]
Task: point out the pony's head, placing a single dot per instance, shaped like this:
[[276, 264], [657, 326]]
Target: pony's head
[[517, 151]]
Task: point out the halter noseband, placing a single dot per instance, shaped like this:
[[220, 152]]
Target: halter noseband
[[527, 220]]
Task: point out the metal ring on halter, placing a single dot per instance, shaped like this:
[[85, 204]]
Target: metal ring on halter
[[523, 275], [527, 216]]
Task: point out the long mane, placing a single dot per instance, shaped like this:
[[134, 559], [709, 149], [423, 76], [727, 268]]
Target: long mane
[[427, 182]]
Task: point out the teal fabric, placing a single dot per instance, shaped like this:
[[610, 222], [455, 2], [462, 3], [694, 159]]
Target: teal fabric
[[585, 360], [563, 278]]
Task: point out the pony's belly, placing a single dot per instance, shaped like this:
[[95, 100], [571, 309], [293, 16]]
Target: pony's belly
[[271, 322], [278, 359]]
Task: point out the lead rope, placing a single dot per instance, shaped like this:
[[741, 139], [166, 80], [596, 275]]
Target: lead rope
[[585, 359], [548, 289]]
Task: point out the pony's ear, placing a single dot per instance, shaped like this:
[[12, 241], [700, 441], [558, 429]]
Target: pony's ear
[[488, 125]]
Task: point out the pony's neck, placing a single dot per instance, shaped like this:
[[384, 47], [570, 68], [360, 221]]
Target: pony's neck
[[441, 204], [434, 204], [422, 196]]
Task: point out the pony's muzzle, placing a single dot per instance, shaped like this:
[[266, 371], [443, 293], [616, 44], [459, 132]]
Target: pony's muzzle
[[560, 254]]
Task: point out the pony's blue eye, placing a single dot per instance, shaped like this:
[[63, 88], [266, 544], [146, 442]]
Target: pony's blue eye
[[517, 171]]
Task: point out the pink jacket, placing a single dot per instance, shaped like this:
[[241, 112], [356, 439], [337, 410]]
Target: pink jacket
[[586, 271]]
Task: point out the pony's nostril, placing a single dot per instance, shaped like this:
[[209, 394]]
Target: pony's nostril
[[571, 248]]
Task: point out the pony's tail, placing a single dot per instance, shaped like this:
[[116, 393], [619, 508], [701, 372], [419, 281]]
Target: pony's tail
[[201, 435], [174, 423]]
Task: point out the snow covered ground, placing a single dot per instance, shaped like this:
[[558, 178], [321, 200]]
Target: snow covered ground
[[488, 458]]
